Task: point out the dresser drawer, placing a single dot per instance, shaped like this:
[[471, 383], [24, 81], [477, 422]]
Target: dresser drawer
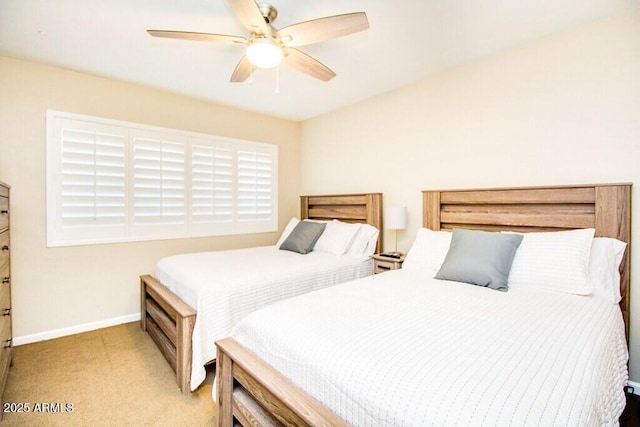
[[6, 343], [5, 330], [5, 287], [5, 319], [4, 247], [4, 212]]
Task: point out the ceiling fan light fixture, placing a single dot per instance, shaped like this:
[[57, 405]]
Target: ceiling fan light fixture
[[264, 52], [267, 46]]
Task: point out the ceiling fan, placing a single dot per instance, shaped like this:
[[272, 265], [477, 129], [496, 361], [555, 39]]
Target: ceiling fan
[[267, 46]]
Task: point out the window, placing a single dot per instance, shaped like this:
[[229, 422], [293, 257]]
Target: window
[[110, 181]]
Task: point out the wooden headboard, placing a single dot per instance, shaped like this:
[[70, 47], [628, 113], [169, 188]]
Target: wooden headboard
[[605, 207], [365, 208]]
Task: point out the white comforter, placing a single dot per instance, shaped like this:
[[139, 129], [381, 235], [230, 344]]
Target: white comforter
[[403, 349], [225, 286]]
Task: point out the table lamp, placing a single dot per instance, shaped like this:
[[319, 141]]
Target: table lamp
[[395, 218]]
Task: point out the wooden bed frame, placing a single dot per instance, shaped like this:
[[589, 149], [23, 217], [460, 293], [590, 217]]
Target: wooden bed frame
[[253, 393], [170, 321]]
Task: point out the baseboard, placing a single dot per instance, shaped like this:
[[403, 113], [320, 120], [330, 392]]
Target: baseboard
[[636, 387], [78, 329]]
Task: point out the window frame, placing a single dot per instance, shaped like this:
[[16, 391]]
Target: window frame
[[62, 233]]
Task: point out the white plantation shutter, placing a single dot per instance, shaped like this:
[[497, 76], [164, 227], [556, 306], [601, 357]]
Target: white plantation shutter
[[90, 188], [212, 184], [110, 181], [255, 186], [158, 183]]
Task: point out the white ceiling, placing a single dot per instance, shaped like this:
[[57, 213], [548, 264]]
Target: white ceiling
[[407, 41]]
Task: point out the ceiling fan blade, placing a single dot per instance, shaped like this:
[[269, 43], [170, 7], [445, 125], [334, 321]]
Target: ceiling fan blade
[[242, 71], [308, 65], [201, 37], [249, 15], [321, 29]]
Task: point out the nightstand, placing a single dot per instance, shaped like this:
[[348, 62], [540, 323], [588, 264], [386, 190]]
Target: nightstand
[[383, 263]]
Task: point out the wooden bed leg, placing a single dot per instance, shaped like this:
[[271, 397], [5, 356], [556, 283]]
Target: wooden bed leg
[[224, 376], [143, 305], [183, 352]]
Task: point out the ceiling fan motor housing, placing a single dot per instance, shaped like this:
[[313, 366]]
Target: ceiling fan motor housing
[[269, 12]]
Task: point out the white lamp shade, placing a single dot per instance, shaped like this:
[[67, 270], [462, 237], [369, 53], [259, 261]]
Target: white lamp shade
[[395, 218], [264, 53]]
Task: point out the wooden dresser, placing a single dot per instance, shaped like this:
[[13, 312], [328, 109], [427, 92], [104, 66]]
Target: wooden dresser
[[5, 291]]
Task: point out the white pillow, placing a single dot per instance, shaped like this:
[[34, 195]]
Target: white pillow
[[557, 260], [604, 263], [428, 250], [365, 241], [287, 230], [337, 237]]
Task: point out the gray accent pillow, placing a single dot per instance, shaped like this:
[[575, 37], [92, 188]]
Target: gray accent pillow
[[303, 237], [481, 258]]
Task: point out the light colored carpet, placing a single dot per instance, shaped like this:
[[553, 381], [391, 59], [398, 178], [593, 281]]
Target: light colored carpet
[[112, 377]]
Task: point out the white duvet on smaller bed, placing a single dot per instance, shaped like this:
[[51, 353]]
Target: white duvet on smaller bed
[[403, 349], [224, 286]]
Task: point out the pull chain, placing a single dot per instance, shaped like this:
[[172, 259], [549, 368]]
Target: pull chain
[[278, 79]]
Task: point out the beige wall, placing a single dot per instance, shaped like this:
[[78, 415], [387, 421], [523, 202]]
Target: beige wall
[[66, 288], [562, 110]]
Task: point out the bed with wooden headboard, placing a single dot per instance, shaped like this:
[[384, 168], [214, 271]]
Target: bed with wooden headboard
[[170, 321], [250, 391], [605, 207]]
